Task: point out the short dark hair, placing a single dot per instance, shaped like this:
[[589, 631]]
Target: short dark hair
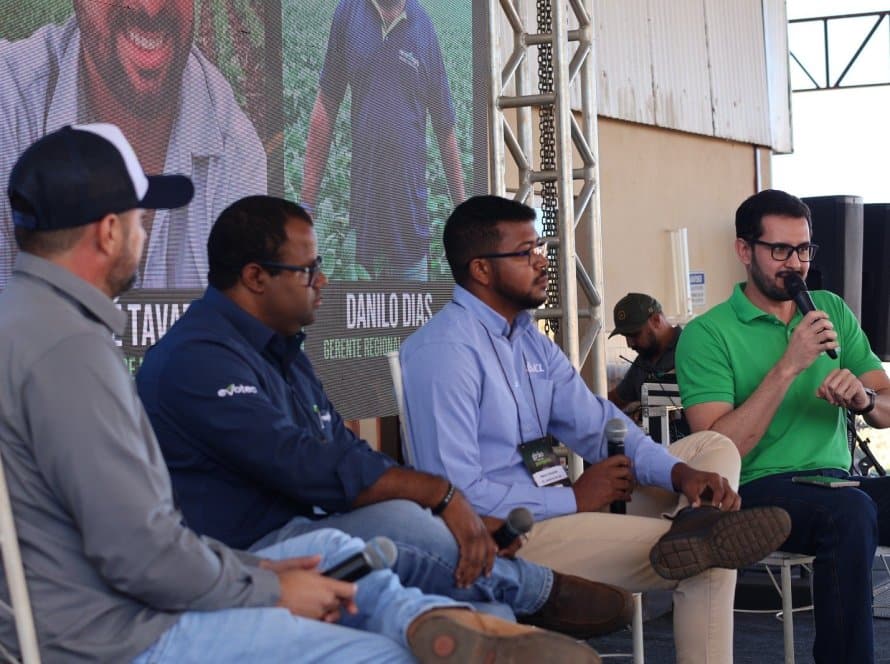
[[472, 229], [250, 230], [47, 243], [750, 214]]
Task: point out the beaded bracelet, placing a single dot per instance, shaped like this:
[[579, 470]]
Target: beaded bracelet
[[438, 509]]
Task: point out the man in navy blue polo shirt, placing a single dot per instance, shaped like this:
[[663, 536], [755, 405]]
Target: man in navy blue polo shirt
[[258, 454], [387, 53]]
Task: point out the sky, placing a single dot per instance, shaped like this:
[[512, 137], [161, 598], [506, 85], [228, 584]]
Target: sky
[[841, 137]]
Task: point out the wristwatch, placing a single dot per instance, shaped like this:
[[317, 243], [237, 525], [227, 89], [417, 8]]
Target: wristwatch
[[871, 402]]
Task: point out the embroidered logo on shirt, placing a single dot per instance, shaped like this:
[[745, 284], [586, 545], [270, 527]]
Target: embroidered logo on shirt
[[235, 389], [534, 367], [409, 59]]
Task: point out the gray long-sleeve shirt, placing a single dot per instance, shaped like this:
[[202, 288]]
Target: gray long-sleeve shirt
[[109, 563]]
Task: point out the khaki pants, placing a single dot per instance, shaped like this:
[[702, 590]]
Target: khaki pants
[[614, 548]]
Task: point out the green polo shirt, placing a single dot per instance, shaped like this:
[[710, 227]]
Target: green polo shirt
[[724, 354]]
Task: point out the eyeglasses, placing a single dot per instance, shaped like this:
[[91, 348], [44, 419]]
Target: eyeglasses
[[539, 249], [312, 271], [782, 252]]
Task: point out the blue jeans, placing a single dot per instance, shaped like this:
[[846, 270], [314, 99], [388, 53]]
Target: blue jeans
[[428, 557], [376, 634], [841, 528]]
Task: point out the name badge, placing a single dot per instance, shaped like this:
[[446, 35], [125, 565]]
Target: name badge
[[542, 463]]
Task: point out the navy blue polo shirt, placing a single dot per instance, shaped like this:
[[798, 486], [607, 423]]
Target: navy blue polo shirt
[[395, 81], [249, 436]]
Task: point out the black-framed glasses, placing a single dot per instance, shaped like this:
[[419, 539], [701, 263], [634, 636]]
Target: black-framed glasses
[[537, 250], [782, 252], [312, 270]]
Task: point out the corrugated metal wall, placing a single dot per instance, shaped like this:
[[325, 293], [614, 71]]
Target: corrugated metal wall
[[710, 67]]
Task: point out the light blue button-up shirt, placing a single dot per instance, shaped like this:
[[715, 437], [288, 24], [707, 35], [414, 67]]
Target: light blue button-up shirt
[[475, 388]]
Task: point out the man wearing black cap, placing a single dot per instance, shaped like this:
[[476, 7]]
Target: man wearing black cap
[[640, 320], [113, 573]]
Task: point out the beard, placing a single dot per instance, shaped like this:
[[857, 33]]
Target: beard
[[125, 270], [524, 299], [165, 92], [650, 349], [766, 286]]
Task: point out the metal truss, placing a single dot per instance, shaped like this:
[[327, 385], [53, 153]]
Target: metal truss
[[822, 80], [569, 143]]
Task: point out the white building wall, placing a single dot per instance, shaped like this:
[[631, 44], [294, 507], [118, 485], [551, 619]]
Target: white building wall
[[710, 67]]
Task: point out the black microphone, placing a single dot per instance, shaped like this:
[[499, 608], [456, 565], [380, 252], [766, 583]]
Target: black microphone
[[797, 289], [616, 430], [519, 521], [379, 553]]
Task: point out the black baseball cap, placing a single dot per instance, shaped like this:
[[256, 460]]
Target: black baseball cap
[[632, 311], [78, 174]]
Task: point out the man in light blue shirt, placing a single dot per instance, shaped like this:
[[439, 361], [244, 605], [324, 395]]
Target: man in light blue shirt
[[483, 391]]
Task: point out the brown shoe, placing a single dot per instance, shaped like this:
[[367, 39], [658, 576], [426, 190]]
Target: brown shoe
[[705, 537], [462, 636], [583, 609]]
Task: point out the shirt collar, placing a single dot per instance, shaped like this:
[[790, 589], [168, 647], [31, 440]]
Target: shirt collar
[[82, 292], [745, 310], [491, 319], [196, 131], [254, 331], [401, 17]]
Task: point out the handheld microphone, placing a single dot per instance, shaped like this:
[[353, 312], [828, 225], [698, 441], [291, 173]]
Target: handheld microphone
[[379, 553], [797, 289], [616, 430], [519, 521]]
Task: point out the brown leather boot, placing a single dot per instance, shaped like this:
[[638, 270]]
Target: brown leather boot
[[461, 636], [705, 537], [582, 608]]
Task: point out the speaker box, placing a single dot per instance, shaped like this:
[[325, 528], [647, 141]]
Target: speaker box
[[876, 278], [838, 230]]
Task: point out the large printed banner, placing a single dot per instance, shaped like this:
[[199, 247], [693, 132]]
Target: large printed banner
[[362, 110]]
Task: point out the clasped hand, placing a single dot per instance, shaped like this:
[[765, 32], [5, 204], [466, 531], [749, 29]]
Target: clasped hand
[[306, 592]]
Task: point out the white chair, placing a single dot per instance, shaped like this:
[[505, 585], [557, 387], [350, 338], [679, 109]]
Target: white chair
[[15, 581], [395, 370], [785, 561], [658, 400]]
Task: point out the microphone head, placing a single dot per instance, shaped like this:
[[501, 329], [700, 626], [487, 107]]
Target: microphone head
[[520, 520], [794, 284], [616, 429], [381, 553]]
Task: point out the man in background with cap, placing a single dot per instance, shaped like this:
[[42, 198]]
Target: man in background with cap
[[113, 573], [639, 318]]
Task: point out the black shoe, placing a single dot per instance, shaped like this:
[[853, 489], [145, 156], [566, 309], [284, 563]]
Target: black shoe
[[705, 537], [582, 608]]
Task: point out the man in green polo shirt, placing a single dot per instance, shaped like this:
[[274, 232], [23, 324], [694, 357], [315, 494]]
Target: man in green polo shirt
[[755, 370]]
